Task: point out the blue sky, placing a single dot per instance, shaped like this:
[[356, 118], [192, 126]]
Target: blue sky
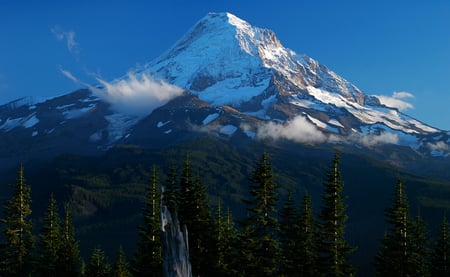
[[381, 46]]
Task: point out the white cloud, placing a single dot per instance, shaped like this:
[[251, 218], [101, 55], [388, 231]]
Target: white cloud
[[298, 130], [69, 75], [370, 140], [68, 37], [137, 96], [397, 100], [438, 146]]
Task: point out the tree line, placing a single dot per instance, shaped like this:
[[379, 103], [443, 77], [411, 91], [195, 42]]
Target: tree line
[[294, 240]]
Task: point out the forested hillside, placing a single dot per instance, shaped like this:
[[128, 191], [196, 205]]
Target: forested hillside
[[261, 229]]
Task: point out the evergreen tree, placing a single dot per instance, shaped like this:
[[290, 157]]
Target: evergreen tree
[[194, 212], [69, 255], [148, 259], [201, 232], [121, 266], [333, 249], [227, 252], [259, 236], [185, 200], [393, 257], [419, 252], [171, 191], [289, 231], [306, 258], [98, 265], [50, 242], [440, 260], [16, 254]]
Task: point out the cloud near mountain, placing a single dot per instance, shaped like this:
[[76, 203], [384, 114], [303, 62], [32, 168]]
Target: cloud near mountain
[[397, 100], [298, 130], [137, 95]]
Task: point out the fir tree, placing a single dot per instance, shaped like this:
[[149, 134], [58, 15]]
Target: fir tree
[[393, 257], [148, 259], [289, 231], [419, 252], [200, 227], [194, 212], [50, 242], [69, 255], [185, 201], [227, 253], [306, 258], [261, 227], [333, 249], [171, 191], [440, 260], [98, 265], [16, 254], [121, 266]]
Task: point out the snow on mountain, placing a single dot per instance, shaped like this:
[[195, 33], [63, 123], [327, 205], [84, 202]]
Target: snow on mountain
[[227, 76]]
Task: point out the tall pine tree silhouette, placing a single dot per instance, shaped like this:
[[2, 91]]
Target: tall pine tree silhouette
[[16, 255], [261, 227], [333, 248]]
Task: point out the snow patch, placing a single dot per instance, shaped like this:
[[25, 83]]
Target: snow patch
[[76, 113], [228, 130], [30, 122], [210, 118], [162, 124]]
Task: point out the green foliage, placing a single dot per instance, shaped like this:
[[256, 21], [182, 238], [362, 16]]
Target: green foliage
[[98, 264], [261, 226], [333, 248], [194, 212], [289, 233], [404, 249], [227, 244], [16, 254], [69, 254], [306, 254], [440, 259], [50, 242], [121, 266], [148, 259]]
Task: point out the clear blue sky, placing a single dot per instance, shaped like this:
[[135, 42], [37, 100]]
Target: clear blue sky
[[380, 46]]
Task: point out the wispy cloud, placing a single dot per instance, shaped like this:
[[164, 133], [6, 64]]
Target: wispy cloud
[[137, 96], [439, 146], [370, 140], [69, 75], [298, 130], [69, 37], [397, 100]]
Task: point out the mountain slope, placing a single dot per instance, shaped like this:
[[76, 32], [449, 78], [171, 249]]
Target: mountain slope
[[232, 80]]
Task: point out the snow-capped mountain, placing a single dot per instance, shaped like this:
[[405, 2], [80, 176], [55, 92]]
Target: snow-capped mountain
[[231, 79]]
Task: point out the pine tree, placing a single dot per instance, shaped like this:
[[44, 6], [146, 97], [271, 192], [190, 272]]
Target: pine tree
[[16, 254], [227, 252], [289, 231], [393, 257], [419, 252], [69, 255], [306, 257], [148, 258], [171, 191], [50, 242], [440, 260], [261, 227], [333, 249], [194, 212], [185, 199], [121, 266], [98, 265]]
